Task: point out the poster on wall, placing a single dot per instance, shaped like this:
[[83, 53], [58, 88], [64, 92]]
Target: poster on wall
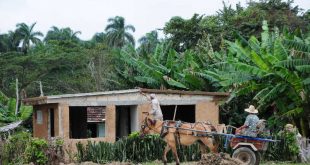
[[95, 114]]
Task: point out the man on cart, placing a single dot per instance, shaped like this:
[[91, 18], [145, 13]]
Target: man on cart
[[249, 128]]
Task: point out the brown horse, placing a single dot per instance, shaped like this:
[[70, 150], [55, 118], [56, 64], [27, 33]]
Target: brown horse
[[175, 133]]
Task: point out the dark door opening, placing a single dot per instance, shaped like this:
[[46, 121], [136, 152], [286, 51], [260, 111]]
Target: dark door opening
[[126, 120], [52, 126], [184, 113], [78, 122]]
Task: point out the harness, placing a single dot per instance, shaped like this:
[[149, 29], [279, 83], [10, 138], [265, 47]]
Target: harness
[[143, 126]]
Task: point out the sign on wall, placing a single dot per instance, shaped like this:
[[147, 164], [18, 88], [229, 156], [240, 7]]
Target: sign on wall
[[95, 114]]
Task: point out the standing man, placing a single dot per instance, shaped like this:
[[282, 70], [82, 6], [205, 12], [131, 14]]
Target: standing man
[[156, 110], [249, 127]]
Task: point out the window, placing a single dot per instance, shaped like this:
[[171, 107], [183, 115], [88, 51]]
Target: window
[[184, 113], [39, 117]]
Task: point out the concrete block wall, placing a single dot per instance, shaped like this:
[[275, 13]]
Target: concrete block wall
[[41, 130], [142, 109], [110, 123], [207, 111]]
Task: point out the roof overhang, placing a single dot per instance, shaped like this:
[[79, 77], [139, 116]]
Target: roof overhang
[[217, 96]]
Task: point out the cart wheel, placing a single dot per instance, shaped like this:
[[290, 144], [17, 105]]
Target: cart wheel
[[245, 155]]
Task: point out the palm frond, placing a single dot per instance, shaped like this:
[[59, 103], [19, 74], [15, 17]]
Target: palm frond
[[249, 69], [256, 59], [303, 68], [175, 83], [148, 80], [271, 95], [279, 50], [299, 46], [293, 112], [291, 63]]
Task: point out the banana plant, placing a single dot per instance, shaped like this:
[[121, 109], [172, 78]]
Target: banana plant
[[7, 110], [166, 68], [276, 70]]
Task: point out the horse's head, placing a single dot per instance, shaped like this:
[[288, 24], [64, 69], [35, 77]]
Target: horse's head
[[147, 126]]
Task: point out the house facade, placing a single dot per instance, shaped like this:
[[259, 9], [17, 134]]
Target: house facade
[[108, 116]]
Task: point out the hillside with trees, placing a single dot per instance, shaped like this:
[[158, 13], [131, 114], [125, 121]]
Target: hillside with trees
[[259, 52]]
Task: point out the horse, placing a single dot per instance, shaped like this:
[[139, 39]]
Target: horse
[[174, 133]]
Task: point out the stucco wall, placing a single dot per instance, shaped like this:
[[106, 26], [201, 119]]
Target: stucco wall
[[41, 130], [110, 123], [56, 121], [143, 108], [207, 111], [64, 123]]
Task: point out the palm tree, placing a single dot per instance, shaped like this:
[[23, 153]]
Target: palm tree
[[117, 32], [27, 35], [62, 34], [148, 42], [99, 37], [53, 34], [7, 42]]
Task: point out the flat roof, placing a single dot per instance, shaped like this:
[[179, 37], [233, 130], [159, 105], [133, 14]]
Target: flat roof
[[43, 99]]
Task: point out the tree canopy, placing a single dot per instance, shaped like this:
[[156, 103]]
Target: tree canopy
[[259, 53]]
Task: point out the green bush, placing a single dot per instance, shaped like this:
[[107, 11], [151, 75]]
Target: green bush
[[150, 148], [21, 148], [12, 151], [284, 150], [35, 151], [133, 149]]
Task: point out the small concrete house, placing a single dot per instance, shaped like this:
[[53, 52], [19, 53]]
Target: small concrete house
[[107, 116]]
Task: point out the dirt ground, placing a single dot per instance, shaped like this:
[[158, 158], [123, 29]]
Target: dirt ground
[[207, 159], [91, 163], [218, 159]]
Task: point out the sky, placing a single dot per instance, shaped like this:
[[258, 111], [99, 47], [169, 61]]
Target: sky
[[90, 16]]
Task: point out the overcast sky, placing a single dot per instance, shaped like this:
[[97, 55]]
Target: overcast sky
[[90, 16]]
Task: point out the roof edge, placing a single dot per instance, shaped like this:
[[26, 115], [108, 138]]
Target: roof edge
[[170, 91], [43, 99], [35, 100]]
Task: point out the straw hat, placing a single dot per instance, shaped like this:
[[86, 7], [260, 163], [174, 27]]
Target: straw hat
[[251, 109]]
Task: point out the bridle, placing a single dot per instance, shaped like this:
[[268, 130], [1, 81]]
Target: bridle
[[146, 125], [143, 126]]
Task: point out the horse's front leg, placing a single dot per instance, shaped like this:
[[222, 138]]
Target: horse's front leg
[[175, 153], [167, 149]]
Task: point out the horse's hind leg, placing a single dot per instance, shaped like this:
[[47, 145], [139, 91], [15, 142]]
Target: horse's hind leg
[[202, 147], [209, 142], [175, 153], [167, 149]]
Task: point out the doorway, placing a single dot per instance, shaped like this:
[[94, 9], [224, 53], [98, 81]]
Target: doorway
[[126, 120], [51, 122]]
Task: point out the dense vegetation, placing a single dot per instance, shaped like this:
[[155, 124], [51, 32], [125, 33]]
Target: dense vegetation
[[21, 148], [150, 148], [260, 53]]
